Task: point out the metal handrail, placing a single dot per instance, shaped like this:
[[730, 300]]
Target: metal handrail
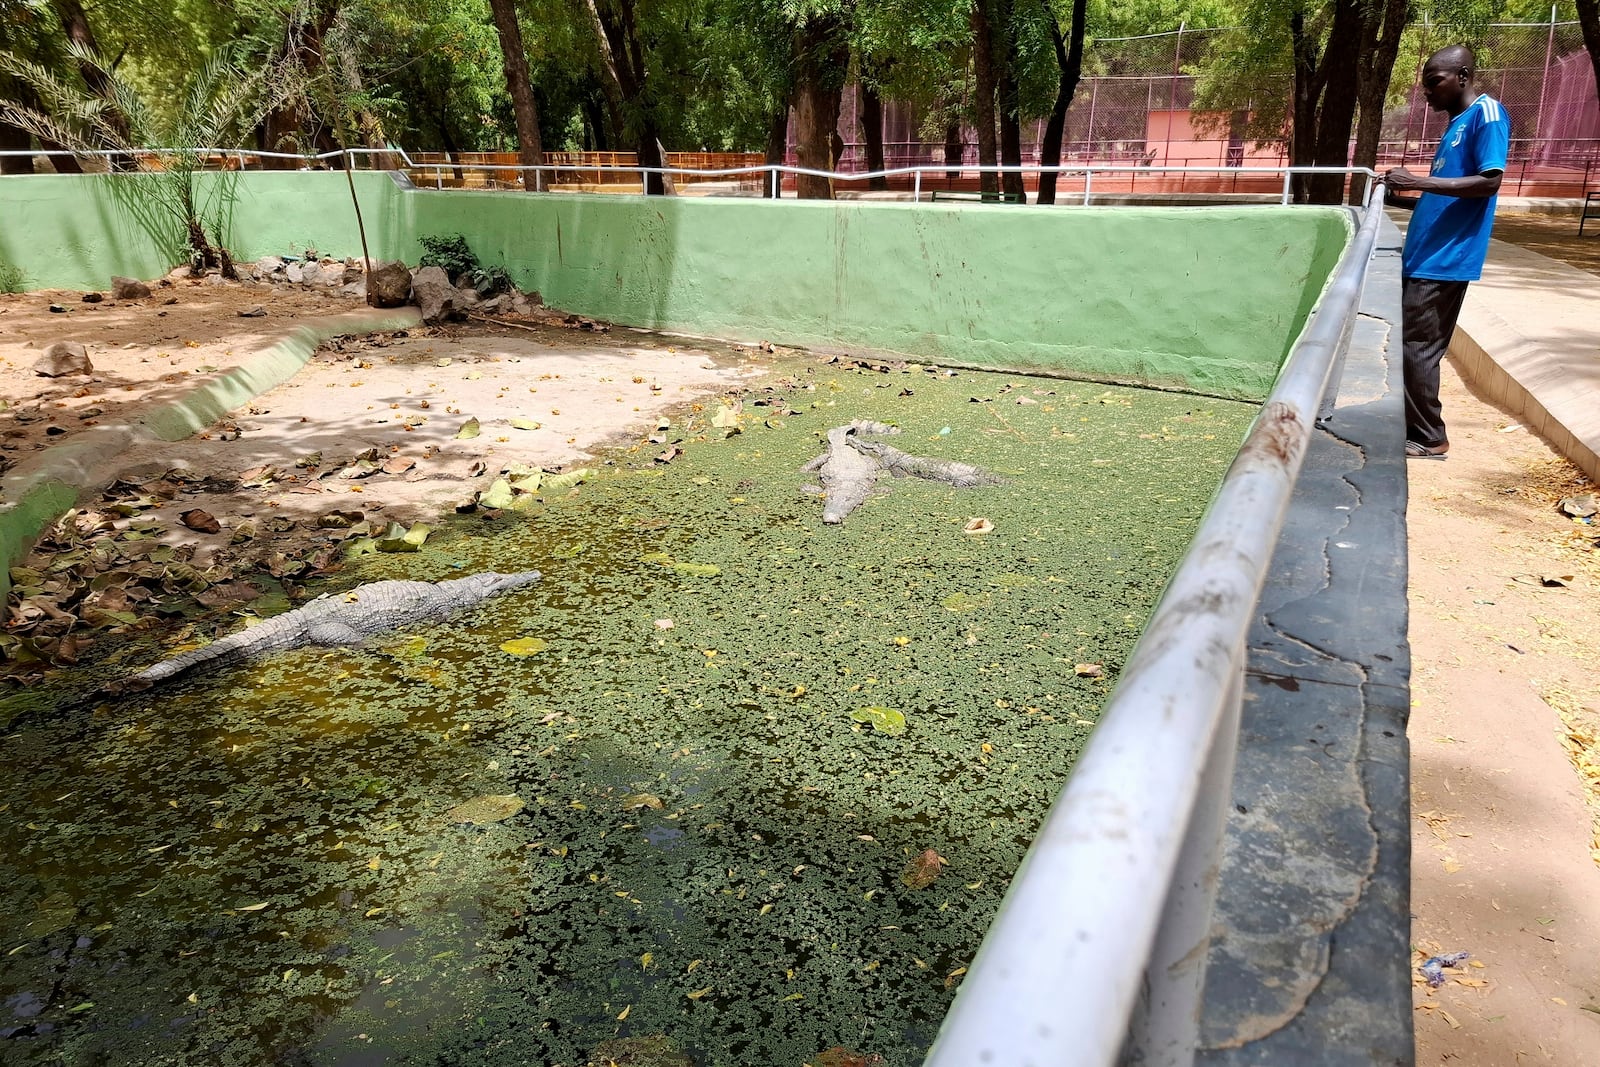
[[1101, 941], [774, 171]]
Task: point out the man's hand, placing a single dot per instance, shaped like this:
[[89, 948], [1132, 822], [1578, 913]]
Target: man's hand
[[1401, 179]]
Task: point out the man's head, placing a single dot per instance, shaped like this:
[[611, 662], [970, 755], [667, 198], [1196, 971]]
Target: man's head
[[1447, 78]]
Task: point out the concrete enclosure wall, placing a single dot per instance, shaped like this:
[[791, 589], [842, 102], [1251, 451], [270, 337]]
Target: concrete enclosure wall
[[1206, 299]]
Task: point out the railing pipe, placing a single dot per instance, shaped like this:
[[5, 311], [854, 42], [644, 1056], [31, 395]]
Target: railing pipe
[[1107, 896]]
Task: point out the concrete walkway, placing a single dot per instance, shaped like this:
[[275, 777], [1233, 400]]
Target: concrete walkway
[[1529, 339]]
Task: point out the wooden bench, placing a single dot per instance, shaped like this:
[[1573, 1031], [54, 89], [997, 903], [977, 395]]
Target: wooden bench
[[1591, 211]]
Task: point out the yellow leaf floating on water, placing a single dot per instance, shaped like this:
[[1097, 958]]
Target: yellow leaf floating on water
[[978, 527], [524, 646], [1088, 670], [641, 800], [646, 960], [486, 809], [374, 863], [698, 993], [253, 907], [883, 720], [623, 1014], [692, 965]]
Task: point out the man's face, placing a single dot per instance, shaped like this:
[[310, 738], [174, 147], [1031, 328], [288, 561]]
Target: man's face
[[1443, 86]]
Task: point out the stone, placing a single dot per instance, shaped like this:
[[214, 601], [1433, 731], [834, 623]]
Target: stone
[[62, 358], [180, 272], [267, 266], [129, 289], [311, 273], [390, 285], [254, 313], [294, 273], [467, 299], [435, 296], [353, 272], [57, 309], [93, 298], [493, 306]]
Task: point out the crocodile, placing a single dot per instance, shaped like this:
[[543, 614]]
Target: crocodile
[[849, 469], [340, 619]]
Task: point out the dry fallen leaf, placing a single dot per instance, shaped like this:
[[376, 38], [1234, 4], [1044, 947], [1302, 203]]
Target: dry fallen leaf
[[978, 526], [922, 869], [1088, 670], [199, 520]]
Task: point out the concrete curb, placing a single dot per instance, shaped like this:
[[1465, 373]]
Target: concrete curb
[[1532, 382], [40, 490]]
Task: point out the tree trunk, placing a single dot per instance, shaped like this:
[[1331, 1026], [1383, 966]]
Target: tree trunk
[[1589, 20], [1337, 116], [520, 86], [1375, 68], [954, 150], [1303, 111], [623, 71], [777, 148], [1010, 103], [821, 55], [302, 46], [983, 72], [75, 23], [1069, 61], [15, 140], [872, 133]]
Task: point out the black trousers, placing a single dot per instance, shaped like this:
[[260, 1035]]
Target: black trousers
[[1428, 317]]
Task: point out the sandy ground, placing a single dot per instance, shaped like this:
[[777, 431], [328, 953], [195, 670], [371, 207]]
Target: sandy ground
[[1502, 839], [1555, 236], [376, 430]]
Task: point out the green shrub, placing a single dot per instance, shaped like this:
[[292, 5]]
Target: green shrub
[[450, 253], [12, 279]]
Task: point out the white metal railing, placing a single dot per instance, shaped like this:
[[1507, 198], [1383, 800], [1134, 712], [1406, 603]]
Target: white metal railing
[[1099, 948], [774, 173]]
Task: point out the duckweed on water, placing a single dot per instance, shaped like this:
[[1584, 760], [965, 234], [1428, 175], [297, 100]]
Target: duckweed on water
[[773, 776]]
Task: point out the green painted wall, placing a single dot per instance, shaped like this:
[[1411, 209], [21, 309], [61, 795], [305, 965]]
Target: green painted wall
[[1208, 299]]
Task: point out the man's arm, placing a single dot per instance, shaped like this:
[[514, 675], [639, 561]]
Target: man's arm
[[1472, 187]]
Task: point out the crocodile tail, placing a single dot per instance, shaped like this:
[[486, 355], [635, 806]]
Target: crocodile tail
[[231, 649]]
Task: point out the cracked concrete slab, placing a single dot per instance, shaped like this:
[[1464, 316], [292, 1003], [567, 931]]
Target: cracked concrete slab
[[1309, 958]]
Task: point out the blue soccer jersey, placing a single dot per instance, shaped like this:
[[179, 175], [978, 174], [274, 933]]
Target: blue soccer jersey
[[1449, 235]]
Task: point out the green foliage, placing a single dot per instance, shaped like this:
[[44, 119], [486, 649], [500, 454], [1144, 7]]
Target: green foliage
[[450, 253], [12, 280]]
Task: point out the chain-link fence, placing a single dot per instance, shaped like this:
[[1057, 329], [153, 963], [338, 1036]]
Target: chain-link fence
[[1136, 105]]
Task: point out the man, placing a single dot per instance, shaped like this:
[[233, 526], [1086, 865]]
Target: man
[[1449, 233]]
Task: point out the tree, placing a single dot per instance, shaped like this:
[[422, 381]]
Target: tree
[[622, 60], [986, 81], [1589, 21], [821, 60], [1069, 62], [215, 105], [1374, 70], [520, 88]]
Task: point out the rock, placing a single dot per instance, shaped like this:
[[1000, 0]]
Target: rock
[[468, 299], [435, 296], [267, 266], [57, 309], [128, 289], [524, 303], [356, 290], [493, 306], [311, 273], [61, 358], [294, 273], [254, 313], [353, 273], [390, 285], [92, 298], [179, 273]]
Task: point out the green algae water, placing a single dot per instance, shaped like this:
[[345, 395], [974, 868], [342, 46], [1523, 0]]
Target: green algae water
[[725, 742]]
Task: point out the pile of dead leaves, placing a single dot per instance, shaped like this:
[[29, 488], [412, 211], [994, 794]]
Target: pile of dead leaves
[[115, 566]]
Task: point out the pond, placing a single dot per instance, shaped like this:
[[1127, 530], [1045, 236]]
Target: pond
[[768, 778]]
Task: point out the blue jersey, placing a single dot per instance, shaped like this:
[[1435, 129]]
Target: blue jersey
[[1449, 235]]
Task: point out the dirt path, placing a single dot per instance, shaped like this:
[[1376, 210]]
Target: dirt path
[[1502, 839]]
